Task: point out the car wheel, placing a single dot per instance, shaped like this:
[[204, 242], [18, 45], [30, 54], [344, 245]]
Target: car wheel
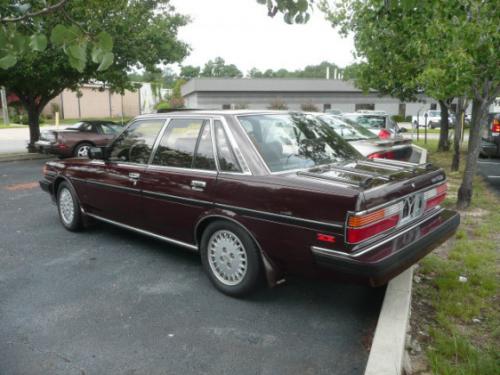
[[68, 207], [231, 259], [82, 150]]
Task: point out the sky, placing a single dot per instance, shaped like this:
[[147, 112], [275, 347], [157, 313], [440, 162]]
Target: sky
[[242, 34]]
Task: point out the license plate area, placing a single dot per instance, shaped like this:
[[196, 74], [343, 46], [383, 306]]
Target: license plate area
[[412, 208]]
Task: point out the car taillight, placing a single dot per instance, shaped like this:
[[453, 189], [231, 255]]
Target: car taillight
[[361, 227], [435, 196], [382, 155], [384, 134], [495, 126], [364, 226]]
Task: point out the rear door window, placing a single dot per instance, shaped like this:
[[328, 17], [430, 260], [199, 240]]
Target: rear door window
[[187, 143], [226, 157]]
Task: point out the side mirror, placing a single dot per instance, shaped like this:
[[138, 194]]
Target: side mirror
[[97, 153]]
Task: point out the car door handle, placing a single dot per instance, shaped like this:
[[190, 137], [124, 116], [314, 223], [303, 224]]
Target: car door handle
[[198, 185], [134, 175]]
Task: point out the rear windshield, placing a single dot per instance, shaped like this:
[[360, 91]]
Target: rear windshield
[[295, 141], [348, 129], [368, 121]]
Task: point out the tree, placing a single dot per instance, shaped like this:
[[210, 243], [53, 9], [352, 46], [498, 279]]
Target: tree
[[218, 68], [22, 31], [144, 34], [445, 48], [190, 71]]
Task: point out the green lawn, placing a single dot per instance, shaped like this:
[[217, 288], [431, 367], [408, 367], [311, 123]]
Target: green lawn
[[458, 323]]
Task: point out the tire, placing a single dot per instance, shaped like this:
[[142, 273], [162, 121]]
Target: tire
[[231, 259], [82, 150], [68, 207]]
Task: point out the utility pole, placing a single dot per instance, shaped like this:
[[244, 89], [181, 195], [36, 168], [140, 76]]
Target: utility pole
[[5, 110]]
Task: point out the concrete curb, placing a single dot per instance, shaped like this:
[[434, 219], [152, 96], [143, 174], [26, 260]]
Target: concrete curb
[[23, 156], [388, 346]]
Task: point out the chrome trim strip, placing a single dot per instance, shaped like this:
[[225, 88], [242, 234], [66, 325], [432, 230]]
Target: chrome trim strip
[[357, 254], [179, 169], [288, 218], [177, 198], [373, 164], [115, 187], [145, 232]]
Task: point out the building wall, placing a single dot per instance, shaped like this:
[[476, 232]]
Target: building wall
[[346, 102], [95, 104]]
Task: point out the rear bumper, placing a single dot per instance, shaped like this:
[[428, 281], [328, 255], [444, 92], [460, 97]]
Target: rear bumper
[[47, 147], [380, 263], [490, 146]]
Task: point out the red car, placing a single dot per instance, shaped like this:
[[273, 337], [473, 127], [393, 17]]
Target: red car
[[77, 139], [259, 195]]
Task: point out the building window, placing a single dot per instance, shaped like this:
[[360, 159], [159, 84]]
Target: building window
[[402, 109], [364, 106], [326, 107], [433, 106], [226, 106]]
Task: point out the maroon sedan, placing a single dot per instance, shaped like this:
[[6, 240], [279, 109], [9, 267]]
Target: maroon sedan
[[259, 195], [77, 139]]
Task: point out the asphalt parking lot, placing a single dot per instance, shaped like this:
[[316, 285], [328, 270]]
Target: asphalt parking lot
[[106, 301], [490, 170]]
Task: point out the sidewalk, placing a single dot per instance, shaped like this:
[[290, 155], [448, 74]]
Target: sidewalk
[[15, 140]]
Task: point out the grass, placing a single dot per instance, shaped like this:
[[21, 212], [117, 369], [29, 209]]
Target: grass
[[460, 321]]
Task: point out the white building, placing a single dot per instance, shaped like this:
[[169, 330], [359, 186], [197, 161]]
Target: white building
[[324, 94]]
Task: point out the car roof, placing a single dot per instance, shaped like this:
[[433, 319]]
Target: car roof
[[217, 112], [96, 122]]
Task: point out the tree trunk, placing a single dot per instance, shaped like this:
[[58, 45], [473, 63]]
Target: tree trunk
[[479, 110], [34, 123], [457, 136], [444, 143]]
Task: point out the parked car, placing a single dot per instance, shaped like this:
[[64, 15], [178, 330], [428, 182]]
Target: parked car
[[366, 142], [378, 122], [76, 140], [258, 194], [490, 137], [433, 119]]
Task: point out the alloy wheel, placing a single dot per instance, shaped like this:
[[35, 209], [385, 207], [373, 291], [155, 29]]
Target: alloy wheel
[[227, 257]]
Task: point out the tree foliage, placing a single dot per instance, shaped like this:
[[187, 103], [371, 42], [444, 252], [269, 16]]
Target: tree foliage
[[294, 11], [218, 68], [144, 34], [443, 48], [23, 31]]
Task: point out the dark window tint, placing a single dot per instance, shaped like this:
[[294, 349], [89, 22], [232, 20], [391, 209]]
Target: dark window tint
[[135, 144], [364, 106], [204, 156], [227, 159], [177, 147]]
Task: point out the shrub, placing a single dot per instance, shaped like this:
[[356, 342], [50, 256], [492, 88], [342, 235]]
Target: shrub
[[399, 118], [162, 105], [277, 104], [241, 106], [309, 107]]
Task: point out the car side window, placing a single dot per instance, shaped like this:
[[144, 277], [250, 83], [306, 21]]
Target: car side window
[[107, 129], [226, 157], [204, 155], [181, 139], [135, 144]]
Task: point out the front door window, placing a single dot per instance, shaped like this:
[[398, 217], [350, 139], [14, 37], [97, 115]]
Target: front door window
[[135, 144]]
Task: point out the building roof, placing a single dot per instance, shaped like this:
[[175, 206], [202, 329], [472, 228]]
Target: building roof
[[266, 85]]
